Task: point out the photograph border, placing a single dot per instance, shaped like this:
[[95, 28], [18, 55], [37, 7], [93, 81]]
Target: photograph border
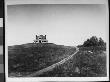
[[33, 79]]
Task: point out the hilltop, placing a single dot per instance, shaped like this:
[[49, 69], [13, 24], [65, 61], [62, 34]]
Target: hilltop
[[28, 58]]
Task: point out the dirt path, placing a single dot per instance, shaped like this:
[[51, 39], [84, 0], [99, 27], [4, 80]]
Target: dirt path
[[52, 66]]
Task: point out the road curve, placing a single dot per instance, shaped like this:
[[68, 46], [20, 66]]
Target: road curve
[[52, 66]]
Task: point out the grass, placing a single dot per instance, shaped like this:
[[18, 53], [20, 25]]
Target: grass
[[88, 62], [28, 58]]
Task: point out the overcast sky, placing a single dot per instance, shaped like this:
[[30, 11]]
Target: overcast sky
[[63, 24]]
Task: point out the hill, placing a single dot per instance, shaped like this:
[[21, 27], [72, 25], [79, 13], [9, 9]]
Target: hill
[[28, 58], [88, 62]]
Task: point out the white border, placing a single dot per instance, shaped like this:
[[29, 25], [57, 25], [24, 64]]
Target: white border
[[37, 79], [11, 2]]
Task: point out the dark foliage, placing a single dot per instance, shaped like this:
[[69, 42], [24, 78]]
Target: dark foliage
[[94, 41]]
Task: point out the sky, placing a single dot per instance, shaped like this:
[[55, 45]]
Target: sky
[[64, 24]]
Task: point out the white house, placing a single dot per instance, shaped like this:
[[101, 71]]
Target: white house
[[41, 39]]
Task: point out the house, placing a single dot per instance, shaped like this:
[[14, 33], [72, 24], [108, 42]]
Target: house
[[40, 39]]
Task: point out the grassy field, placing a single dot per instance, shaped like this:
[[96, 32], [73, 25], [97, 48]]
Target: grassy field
[[28, 58], [88, 62]]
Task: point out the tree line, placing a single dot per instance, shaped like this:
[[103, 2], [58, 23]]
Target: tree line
[[94, 41]]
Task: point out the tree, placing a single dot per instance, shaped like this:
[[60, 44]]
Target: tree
[[86, 43], [93, 41], [101, 42]]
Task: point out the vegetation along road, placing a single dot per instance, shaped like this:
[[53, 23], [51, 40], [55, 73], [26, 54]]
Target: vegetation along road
[[52, 66]]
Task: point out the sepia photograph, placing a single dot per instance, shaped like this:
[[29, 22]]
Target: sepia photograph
[[57, 40]]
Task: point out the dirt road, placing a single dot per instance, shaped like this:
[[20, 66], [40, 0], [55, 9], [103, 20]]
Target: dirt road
[[52, 66]]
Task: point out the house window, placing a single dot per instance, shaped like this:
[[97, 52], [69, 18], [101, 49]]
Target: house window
[[44, 41], [39, 41]]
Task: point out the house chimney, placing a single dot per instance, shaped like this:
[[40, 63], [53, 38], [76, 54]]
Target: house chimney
[[36, 37], [45, 36]]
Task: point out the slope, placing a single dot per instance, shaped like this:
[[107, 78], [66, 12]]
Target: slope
[[28, 58]]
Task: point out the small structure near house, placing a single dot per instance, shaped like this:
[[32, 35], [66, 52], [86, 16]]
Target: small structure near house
[[41, 39]]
